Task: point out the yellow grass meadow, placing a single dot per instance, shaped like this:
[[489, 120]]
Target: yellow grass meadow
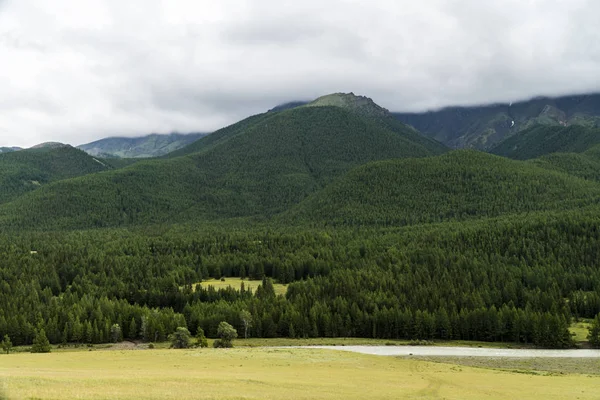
[[236, 283], [247, 373]]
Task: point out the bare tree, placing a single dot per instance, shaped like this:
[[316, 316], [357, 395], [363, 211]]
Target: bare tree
[[246, 318]]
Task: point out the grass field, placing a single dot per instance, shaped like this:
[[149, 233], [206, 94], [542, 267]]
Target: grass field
[[267, 374], [236, 283], [580, 331]]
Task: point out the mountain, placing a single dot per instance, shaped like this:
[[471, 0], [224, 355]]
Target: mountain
[[359, 106], [140, 147], [542, 139], [459, 185], [258, 167], [27, 170], [482, 127], [9, 149]]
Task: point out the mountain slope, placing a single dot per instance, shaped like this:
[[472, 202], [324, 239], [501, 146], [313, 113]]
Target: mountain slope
[[27, 170], [141, 147], [455, 186], [541, 139], [584, 165], [360, 106], [482, 127], [258, 167]]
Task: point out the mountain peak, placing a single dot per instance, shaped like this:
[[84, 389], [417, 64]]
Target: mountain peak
[[360, 104], [49, 145]]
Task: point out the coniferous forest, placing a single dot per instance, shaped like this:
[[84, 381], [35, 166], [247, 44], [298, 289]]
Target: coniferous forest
[[377, 231]]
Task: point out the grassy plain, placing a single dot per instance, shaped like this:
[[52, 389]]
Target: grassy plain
[[580, 331], [236, 283], [246, 373]]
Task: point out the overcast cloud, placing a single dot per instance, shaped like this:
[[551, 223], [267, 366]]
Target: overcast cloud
[[76, 71]]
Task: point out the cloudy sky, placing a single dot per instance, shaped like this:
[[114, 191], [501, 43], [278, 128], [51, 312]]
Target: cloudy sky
[[79, 70]]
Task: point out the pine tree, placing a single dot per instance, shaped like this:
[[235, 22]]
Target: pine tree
[[133, 332], [6, 344], [40, 342], [594, 332]]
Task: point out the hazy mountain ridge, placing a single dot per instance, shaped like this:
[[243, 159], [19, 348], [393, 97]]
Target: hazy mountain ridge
[[258, 167], [153, 145], [540, 140], [482, 127], [9, 149], [341, 159]]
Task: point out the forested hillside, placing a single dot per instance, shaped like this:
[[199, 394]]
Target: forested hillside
[[482, 127], [456, 186], [27, 170], [515, 279], [584, 165], [378, 232], [541, 140], [259, 167]]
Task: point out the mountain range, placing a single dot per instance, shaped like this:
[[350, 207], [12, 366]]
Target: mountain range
[[379, 230], [340, 159], [482, 127], [153, 145]]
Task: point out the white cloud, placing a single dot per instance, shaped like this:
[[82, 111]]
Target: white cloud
[[75, 71]]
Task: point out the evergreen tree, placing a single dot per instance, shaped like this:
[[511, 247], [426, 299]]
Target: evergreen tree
[[201, 338], [6, 344], [40, 342], [594, 332]]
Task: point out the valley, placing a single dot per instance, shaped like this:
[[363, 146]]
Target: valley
[[269, 374], [306, 224]]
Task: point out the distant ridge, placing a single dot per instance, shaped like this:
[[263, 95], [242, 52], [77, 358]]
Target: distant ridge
[[482, 127], [49, 145], [9, 149], [153, 145]]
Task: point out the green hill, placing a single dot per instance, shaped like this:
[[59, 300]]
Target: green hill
[[27, 170], [540, 140], [359, 106], [258, 167], [585, 165], [140, 147], [455, 186], [482, 127]]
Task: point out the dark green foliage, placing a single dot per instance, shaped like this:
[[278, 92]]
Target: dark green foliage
[[27, 170], [540, 140], [116, 333], [201, 338], [583, 165], [455, 186], [330, 198], [226, 334], [594, 334], [6, 344], [40, 342], [180, 339], [277, 162]]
